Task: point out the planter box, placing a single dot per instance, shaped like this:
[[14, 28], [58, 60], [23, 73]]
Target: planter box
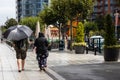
[[111, 54], [79, 49]]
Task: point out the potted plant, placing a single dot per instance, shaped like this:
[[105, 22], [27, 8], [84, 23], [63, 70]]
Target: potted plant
[[79, 44], [111, 49]]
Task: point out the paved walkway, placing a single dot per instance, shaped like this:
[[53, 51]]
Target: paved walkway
[[57, 59], [8, 66]]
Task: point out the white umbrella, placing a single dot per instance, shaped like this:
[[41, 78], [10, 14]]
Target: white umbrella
[[37, 29]]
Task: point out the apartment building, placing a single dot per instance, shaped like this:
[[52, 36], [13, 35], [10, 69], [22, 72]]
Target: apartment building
[[26, 8], [103, 7]]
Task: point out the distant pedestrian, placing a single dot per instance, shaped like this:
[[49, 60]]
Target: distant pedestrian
[[21, 47], [1, 40], [41, 46]]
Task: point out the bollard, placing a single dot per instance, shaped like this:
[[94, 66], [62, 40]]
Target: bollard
[[87, 49], [95, 49]]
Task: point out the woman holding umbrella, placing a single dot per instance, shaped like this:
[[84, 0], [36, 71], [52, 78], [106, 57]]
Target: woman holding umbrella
[[19, 34]]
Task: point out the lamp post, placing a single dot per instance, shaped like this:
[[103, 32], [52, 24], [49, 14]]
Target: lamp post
[[59, 26], [116, 21], [0, 32]]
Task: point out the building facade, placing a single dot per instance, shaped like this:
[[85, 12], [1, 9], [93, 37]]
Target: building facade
[[103, 7], [26, 8]]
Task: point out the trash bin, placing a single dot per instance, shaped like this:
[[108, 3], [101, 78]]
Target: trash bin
[[61, 45], [49, 46], [68, 44]]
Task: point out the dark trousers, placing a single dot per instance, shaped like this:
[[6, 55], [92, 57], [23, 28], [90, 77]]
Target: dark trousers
[[41, 61]]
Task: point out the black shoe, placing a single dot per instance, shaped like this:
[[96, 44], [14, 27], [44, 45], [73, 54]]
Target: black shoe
[[44, 69], [19, 70], [41, 68]]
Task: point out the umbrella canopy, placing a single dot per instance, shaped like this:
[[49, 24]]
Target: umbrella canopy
[[37, 29], [17, 32]]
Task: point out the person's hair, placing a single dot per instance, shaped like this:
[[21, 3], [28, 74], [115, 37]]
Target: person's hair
[[41, 34]]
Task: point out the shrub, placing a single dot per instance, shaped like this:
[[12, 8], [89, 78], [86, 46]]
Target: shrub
[[110, 38], [80, 33], [79, 40]]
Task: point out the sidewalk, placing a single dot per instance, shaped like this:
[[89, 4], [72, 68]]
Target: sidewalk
[[62, 65], [8, 66]]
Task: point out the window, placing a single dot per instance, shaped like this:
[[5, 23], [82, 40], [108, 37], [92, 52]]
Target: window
[[37, 0], [38, 5], [46, 1]]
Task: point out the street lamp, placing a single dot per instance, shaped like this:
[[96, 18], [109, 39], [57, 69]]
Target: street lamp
[[116, 21], [59, 25]]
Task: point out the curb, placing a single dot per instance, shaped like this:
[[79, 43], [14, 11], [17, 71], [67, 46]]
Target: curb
[[54, 75]]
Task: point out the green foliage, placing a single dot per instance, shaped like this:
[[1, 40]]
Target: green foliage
[[80, 33], [69, 9], [110, 39], [47, 16], [10, 22], [102, 33], [59, 8], [90, 26], [29, 21], [87, 8], [100, 19]]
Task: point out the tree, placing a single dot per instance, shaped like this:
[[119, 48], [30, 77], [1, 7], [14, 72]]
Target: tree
[[10, 22], [59, 8], [111, 47], [68, 10], [47, 16], [79, 8], [90, 26], [29, 21], [110, 39], [100, 19]]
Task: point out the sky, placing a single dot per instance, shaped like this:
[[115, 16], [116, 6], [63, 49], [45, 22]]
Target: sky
[[7, 10]]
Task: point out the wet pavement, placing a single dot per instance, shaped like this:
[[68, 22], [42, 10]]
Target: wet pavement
[[8, 66], [62, 65], [71, 66], [59, 58], [101, 71]]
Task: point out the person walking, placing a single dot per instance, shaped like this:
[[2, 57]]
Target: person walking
[[21, 47], [41, 46]]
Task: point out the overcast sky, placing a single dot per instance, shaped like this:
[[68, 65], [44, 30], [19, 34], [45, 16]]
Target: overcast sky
[[7, 10]]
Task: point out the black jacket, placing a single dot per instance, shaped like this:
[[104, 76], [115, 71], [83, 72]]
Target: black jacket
[[41, 45]]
